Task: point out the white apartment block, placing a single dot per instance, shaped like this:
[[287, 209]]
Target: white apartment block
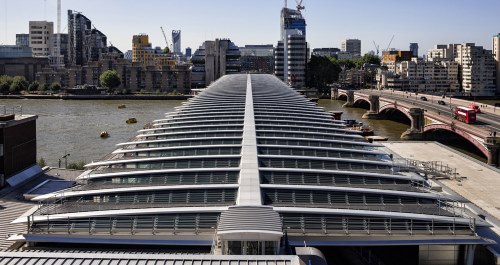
[[352, 46], [496, 53], [40, 37], [478, 70]]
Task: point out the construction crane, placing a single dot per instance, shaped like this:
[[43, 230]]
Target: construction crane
[[299, 5], [390, 42], [377, 48], [167, 49]]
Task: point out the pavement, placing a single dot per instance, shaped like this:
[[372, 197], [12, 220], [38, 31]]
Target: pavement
[[13, 204], [480, 183]]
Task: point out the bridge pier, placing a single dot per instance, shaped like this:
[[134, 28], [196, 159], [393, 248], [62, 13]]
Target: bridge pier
[[350, 99], [416, 131], [493, 151], [334, 93], [374, 107]]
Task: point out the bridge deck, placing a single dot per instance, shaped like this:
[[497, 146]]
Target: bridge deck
[[480, 183]]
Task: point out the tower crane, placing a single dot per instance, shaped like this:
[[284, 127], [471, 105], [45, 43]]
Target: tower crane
[[377, 48], [389, 45], [299, 5], [167, 49]]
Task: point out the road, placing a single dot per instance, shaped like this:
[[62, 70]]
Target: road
[[488, 121]]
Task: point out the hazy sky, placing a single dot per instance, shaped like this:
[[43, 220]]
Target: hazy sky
[[427, 22]]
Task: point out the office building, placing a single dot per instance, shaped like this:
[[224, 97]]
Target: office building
[[332, 52], [352, 46], [291, 51], [40, 38], [496, 53], [15, 51], [414, 49], [249, 169], [214, 59], [144, 53], [257, 59], [188, 52], [128, 55], [176, 42], [23, 40], [477, 70]]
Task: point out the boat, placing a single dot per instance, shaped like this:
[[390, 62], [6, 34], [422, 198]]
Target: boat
[[104, 134], [122, 106], [376, 138], [131, 120]]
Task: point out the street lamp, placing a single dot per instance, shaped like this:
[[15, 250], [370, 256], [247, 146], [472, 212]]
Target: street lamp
[[65, 160]]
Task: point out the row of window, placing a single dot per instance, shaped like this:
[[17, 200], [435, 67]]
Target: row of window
[[302, 135], [186, 152], [187, 143], [318, 153], [320, 164], [292, 142]]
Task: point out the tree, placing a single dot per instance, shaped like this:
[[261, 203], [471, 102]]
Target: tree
[[43, 87], [110, 80], [80, 165], [33, 86], [5, 83], [55, 86], [18, 83], [322, 71]]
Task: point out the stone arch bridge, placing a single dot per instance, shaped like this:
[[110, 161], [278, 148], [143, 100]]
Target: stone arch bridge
[[423, 121]]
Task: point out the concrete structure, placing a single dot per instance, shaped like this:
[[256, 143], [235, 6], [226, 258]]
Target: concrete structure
[[291, 53], [250, 167], [477, 70], [176, 42], [257, 59], [496, 53], [15, 51], [352, 46], [23, 66], [23, 40], [214, 59], [41, 34], [414, 49], [395, 56], [188, 52], [17, 145]]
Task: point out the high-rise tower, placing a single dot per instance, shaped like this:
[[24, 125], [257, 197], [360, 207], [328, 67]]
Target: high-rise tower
[[176, 41], [291, 51]]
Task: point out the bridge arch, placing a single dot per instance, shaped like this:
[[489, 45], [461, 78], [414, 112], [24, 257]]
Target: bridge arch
[[342, 96], [391, 107], [362, 103], [444, 127]]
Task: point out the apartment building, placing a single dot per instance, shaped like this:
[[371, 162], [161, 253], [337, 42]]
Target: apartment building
[[478, 70], [40, 37]]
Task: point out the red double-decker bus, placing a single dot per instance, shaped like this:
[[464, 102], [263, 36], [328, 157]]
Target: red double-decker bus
[[465, 114]]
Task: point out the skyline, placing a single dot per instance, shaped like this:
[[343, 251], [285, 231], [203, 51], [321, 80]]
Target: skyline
[[327, 22]]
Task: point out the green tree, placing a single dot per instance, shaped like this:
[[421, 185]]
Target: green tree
[[5, 83], [33, 86], [322, 71], [18, 83], [55, 86], [41, 162], [80, 165], [371, 59], [43, 87], [110, 80]]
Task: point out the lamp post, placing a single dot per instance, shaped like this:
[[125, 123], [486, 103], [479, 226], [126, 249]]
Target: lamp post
[[65, 160]]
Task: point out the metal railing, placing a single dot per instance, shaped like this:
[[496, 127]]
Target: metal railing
[[436, 169], [376, 226], [5, 110]]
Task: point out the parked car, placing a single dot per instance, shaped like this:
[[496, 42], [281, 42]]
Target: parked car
[[441, 102], [423, 98]]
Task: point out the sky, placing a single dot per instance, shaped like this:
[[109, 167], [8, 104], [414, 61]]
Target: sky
[[427, 22]]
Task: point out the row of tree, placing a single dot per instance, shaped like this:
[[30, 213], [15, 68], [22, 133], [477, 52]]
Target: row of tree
[[17, 84], [324, 70], [8, 84]]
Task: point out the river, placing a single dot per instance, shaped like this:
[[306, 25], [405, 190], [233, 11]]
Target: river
[[74, 126]]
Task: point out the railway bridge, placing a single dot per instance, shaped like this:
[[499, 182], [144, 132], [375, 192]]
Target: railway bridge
[[423, 121]]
